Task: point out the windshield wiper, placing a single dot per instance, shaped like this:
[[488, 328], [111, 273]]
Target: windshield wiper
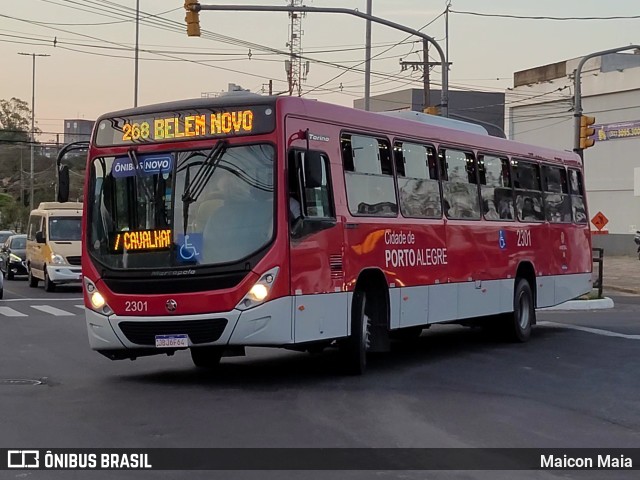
[[136, 168], [193, 188]]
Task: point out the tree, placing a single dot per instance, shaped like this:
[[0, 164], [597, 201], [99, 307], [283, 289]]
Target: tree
[[15, 120]]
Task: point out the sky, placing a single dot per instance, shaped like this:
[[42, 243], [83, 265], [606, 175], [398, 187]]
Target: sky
[[90, 69]]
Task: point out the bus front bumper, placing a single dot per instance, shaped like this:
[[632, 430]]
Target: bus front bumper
[[117, 336]]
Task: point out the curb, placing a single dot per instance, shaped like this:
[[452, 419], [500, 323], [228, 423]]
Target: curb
[[598, 304]]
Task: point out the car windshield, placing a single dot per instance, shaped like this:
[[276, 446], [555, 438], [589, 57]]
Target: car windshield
[[141, 217], [19, 243], [64, 229], [4, 236]]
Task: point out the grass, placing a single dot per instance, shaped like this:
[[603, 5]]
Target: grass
[[593, 295]]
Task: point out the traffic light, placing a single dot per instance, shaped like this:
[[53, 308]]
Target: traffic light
[[432, 110], [586, 131], [192, 17]]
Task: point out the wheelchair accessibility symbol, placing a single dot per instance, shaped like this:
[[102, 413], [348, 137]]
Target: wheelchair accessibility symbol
[[190, 247], [502, 241]]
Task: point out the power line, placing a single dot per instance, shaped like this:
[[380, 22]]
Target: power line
[[526, 17]]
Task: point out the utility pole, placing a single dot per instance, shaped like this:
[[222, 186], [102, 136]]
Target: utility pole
[[426, 67], [296, 73], [425, 77], [135, 74], [367, 59], [33, 112], [195, 8], [446, 33]]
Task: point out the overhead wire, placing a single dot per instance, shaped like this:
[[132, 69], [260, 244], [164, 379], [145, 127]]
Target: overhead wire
[[543, 17]]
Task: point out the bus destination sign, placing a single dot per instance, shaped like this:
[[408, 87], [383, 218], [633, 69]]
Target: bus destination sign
[[185, 125], [142, 240]]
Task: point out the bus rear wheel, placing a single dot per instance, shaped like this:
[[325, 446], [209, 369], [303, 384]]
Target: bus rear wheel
[[518, 324], [206, 357], [356, 346]]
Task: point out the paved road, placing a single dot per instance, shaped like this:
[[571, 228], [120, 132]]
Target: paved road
[[456, 387]]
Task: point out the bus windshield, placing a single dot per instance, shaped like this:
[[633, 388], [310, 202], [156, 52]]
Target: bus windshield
[[141, 217]]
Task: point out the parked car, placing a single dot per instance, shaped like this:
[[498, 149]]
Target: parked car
[[12, 256], [4, 234]]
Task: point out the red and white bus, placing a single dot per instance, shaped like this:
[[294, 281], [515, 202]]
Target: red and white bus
[[216, 224]]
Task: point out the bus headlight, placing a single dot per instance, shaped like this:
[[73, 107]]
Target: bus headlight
[[97, 301], [57, 259], [260, 290]]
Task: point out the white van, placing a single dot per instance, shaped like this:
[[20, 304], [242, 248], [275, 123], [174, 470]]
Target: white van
[[53, 244]]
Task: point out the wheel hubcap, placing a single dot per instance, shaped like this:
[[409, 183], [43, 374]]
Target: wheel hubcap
[[524, 311]]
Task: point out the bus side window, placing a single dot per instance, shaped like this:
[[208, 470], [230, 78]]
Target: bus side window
[[495, 188], [460, 185], [368, 176], [529, 204], [556, 194], [576, 188], [418, 187]]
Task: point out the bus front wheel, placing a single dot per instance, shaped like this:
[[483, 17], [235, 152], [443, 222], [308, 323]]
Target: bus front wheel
[[356, 346], [206, 357], [524, 312]]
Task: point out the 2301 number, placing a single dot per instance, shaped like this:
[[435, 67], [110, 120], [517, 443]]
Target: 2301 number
[[524, 238], [132, 306]]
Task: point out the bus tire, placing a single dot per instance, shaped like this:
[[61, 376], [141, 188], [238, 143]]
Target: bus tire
[[524, 312], [33, 281], [356, 346], [206, 357]]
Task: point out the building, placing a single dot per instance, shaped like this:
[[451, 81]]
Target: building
[[483, 108], [77, 130], [540, 111]]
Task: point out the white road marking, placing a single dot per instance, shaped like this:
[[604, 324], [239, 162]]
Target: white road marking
[[10, 312], [52, 310], [41, 299], [596, 331], [79, 306]]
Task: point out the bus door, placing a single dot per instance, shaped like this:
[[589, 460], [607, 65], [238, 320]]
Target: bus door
[[316, 249]]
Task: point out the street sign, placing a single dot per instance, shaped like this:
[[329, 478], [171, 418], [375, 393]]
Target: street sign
[[600, 221]]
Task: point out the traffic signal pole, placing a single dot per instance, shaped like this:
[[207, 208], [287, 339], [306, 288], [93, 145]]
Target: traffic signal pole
[[577, 98], [191, 6]]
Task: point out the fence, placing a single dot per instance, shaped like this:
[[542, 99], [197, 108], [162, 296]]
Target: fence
[[599, 260]]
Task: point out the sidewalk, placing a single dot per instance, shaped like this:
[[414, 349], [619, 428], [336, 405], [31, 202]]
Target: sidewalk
[[620, 274]]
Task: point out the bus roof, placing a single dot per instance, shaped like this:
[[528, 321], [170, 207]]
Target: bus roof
[[443, 132], [239, 99]]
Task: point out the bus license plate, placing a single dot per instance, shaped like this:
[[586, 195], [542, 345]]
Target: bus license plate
[[172, 341]]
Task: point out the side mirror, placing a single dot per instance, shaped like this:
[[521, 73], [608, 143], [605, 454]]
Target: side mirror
[[312, 168], [39, 237], [63, 183]]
